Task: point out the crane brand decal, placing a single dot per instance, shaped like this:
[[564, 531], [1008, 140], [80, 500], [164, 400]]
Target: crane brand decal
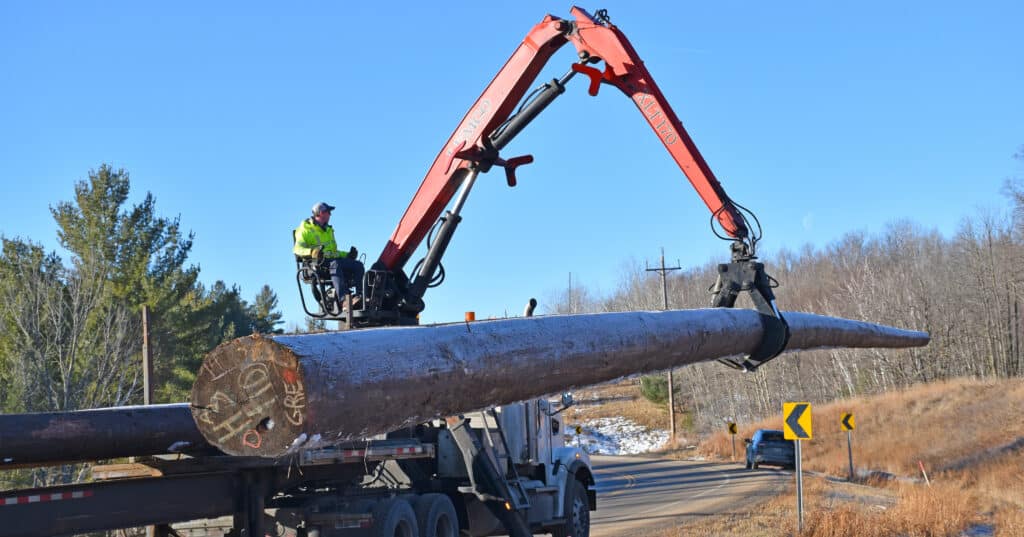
[[469, 127], [648, 104]]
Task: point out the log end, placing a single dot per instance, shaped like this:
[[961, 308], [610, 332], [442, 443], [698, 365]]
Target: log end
[[249, 398]]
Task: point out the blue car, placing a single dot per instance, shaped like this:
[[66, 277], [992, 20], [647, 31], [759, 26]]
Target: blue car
[[769, 446]]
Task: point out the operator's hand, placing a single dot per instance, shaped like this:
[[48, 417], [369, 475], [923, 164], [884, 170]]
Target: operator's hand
[[317, 253], [353, 253]]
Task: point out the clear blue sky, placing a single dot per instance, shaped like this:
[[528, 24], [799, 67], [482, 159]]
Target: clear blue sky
[[822, 117]]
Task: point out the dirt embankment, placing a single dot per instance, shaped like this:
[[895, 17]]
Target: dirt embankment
[[967, 434]]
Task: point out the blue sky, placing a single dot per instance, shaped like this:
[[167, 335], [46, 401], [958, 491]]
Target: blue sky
[[822, 117]]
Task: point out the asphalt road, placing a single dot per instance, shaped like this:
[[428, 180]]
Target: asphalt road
[[637, 494]]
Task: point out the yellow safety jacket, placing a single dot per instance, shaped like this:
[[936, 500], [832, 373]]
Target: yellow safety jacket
[[309, 235]]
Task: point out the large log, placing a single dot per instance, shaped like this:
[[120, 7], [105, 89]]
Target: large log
[[269, 397], [97, 434]]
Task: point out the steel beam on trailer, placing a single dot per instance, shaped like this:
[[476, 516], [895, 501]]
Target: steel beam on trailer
[[267, 397]]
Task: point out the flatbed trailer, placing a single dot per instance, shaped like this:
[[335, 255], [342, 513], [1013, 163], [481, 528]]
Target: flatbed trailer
[[505, 471]]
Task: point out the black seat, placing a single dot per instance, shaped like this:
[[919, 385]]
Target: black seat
[[317, 275]]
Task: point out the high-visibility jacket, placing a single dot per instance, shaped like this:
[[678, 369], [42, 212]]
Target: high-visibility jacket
[[309, 235]]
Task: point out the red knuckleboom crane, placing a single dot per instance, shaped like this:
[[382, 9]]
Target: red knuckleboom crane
[[391, 297]]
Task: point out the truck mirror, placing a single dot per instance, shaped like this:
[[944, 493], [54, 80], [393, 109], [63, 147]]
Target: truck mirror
[[566, 403]]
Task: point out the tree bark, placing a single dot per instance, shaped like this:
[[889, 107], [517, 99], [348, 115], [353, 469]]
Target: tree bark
[[268, 397]]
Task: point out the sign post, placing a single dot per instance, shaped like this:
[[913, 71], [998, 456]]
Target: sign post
[[848, 425], [732, 432], [796, 426]]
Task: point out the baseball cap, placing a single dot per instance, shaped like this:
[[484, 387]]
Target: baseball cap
[[321, 207]]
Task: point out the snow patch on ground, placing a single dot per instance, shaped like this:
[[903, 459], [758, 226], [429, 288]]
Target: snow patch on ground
[[617, 436]]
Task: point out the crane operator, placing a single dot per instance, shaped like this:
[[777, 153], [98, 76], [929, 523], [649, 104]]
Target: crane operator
[[314, 238]]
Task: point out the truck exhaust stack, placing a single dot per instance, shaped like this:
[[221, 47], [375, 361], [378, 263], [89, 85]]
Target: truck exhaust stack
[[269, 397]]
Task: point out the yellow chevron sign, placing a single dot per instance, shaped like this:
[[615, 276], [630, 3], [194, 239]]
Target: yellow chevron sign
[[732, 428], [796, 421], [847, 422]]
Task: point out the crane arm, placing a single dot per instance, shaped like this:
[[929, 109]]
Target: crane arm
[[494, 120], [493, 108], [595, 40]]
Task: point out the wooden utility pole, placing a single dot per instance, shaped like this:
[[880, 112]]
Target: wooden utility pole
[[99, 433], [147, 378], [147, 359], [268, 396], [671, 384]]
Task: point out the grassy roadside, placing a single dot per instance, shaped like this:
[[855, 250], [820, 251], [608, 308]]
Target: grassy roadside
[[622, 399], [968, 435]]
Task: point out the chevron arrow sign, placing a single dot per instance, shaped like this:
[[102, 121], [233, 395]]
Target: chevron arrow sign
[[796, 421]]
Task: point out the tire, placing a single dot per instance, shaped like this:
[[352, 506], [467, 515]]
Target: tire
[[436, 516], [577, 512], [394, 517], [753, 465]]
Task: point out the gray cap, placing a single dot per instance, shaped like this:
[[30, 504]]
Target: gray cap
[[321, 207]]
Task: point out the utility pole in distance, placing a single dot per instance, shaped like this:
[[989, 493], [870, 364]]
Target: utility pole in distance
[[663, 270], [147, 359]]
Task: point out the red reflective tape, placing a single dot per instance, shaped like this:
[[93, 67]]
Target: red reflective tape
[[39, 498]]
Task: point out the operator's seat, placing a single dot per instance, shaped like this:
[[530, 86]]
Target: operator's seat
[[317, 276]]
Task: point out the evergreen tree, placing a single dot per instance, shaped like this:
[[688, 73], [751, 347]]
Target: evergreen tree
[[72, 332], [264, 314]]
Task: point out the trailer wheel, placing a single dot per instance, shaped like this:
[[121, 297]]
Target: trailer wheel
[[394, 517], [436, 516], [577, 512]]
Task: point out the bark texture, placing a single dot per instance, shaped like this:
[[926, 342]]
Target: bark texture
[[268, 397], [102, 433]]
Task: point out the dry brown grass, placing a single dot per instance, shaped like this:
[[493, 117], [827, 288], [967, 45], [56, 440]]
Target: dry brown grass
[[621, 398], [938, 424], [954, 428], [939, 511], [1009, 523]]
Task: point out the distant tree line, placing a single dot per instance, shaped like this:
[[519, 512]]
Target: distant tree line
[[71, 329], [967, 291]]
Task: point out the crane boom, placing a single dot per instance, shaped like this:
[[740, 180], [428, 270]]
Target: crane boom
[[595, 40], [390, 296]]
